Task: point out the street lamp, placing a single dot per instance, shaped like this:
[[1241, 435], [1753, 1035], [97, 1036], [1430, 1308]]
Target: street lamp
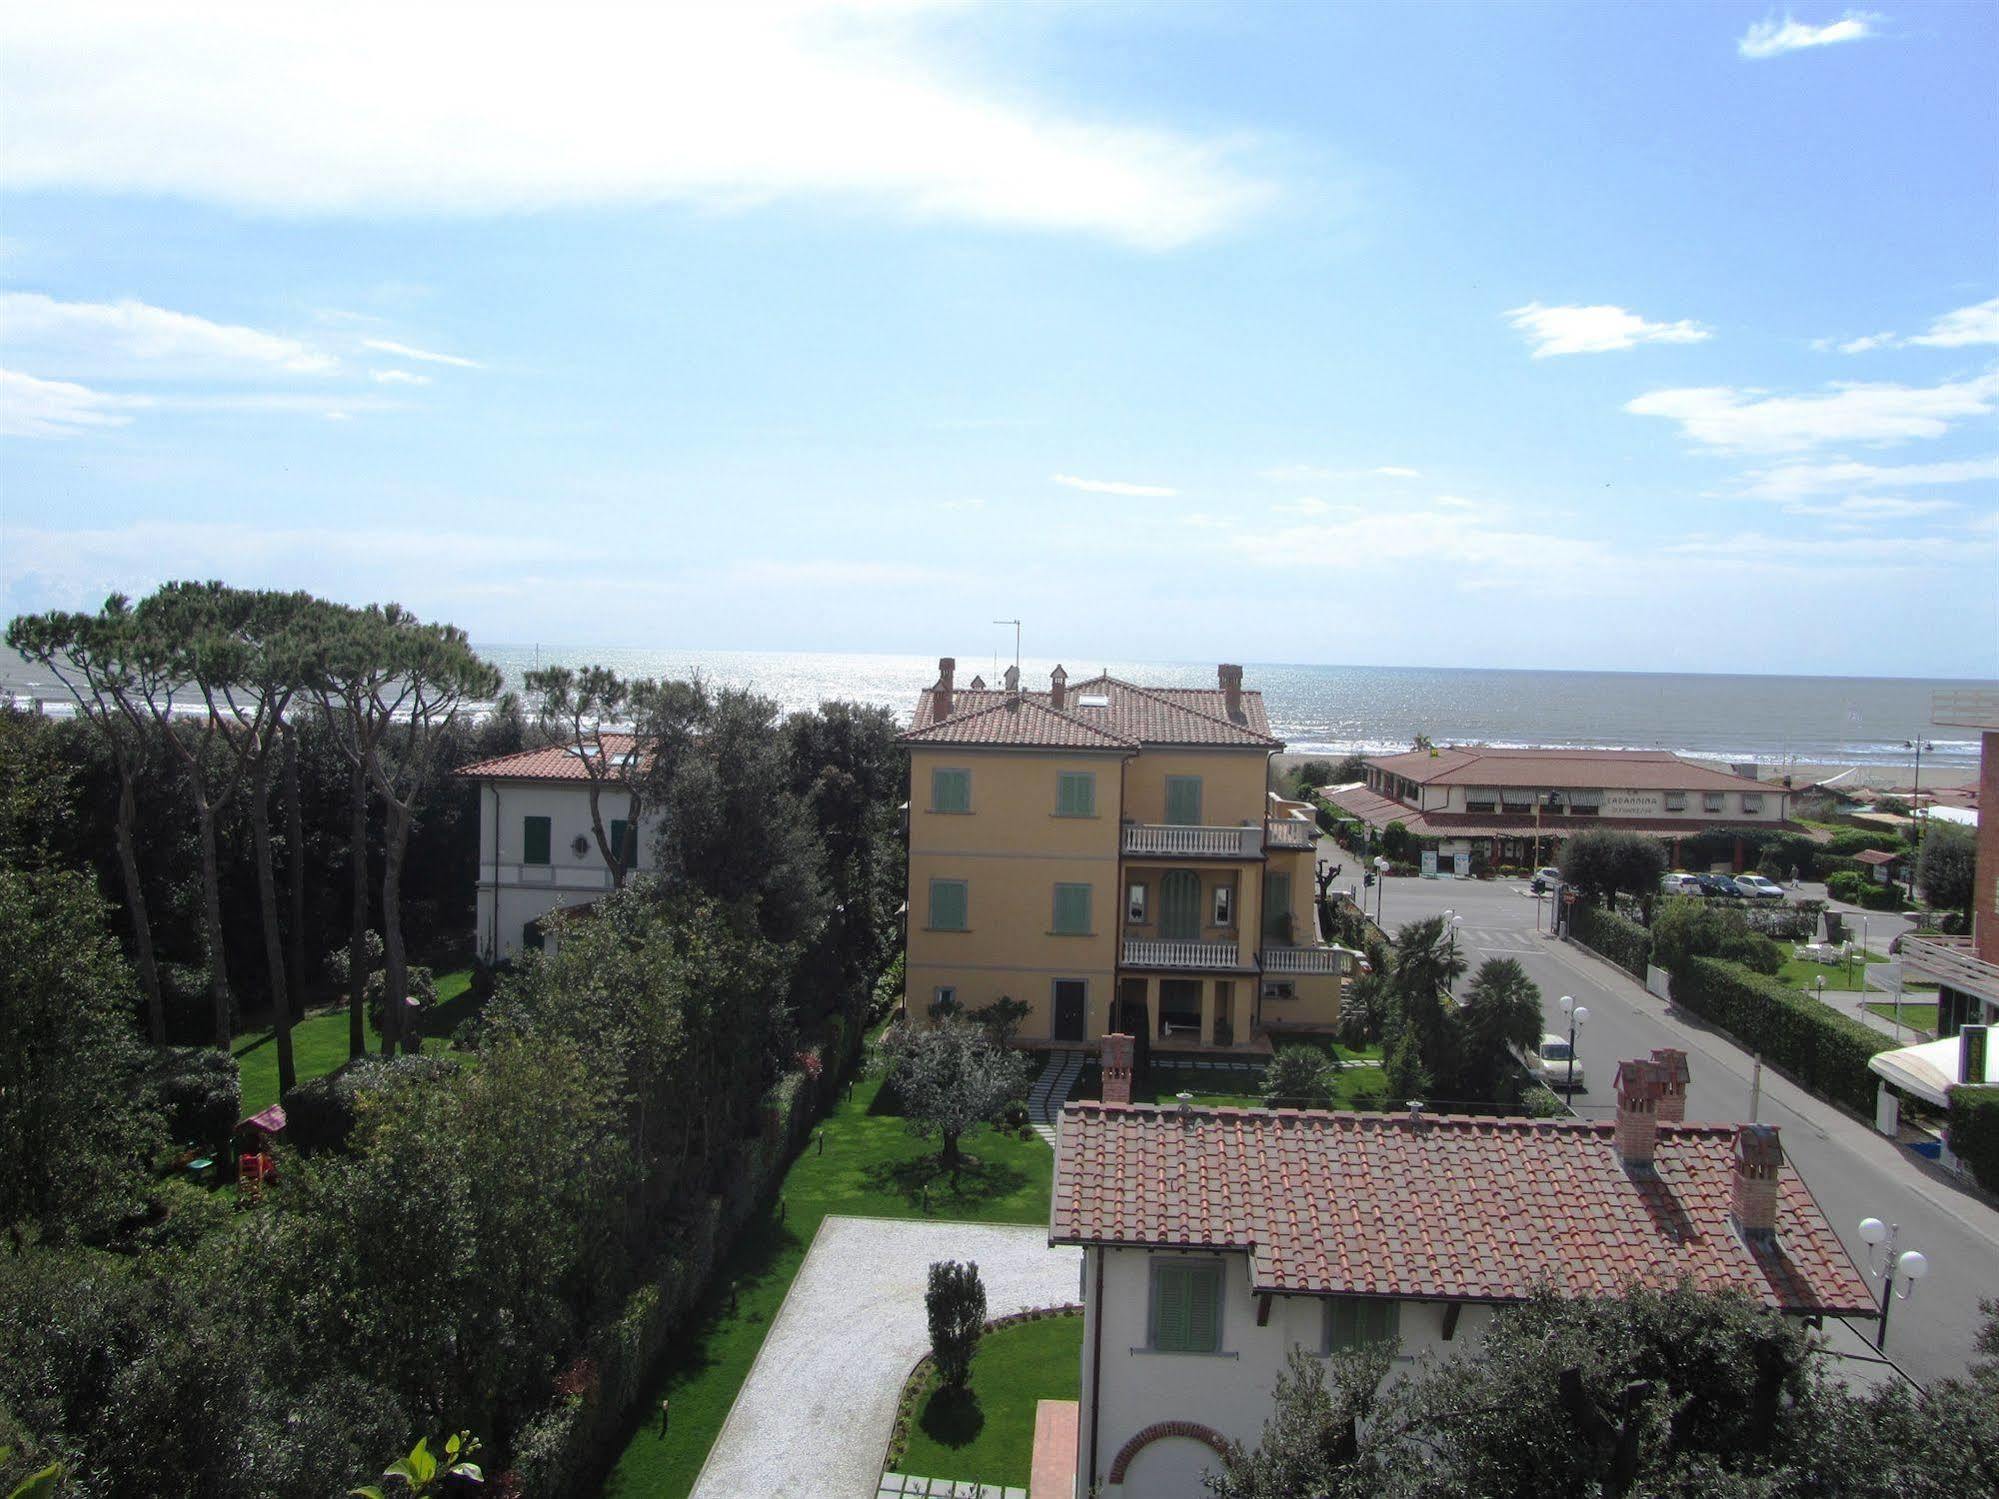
[[1454, 922], [1577, 1015], [1885, 1266], [1918, 744]]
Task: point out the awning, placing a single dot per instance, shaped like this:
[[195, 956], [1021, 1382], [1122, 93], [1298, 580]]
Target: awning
[[1931, 1070]]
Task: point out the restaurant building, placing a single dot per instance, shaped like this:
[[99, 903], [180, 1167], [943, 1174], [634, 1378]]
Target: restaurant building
[[1514, 806]]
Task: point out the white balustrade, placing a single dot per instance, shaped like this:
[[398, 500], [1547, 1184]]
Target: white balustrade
[[1153, 952], [1176, 841]]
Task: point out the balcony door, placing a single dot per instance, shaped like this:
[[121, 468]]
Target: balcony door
[[1180, 906], [1071, 1003]]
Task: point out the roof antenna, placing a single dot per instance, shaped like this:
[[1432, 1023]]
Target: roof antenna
[[1016, 644]]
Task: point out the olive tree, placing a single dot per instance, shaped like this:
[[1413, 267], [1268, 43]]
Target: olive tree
[[951, 1079]]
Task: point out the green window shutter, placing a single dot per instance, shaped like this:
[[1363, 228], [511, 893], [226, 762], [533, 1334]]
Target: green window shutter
[[1385, 1322], [1171, 1308], [1183, 800], [1276, 903], [950, 791], [1180, 906], [1076, 794], [534, 840], [621, 841], [531, 940], [1204, 1312], [947, 905], [1072, 909]]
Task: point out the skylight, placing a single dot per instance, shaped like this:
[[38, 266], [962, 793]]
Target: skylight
[[1093, 700]]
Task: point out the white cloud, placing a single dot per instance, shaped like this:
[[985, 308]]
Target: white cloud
[[1596, 330], [1394, 471], [1797, 481], [371, 108], [1978, 324], [1312, 473], [1308, 505], [56, 408], [973, 504], [1112, 486], [426, 356], [1870, 341], [128, 336], [1204, 522], [1758, 551], [1882, 413], [1773, 38], [1874, 507], [398, 377], [831, 572]]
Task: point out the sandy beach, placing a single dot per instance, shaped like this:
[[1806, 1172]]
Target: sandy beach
[[1879, 777]]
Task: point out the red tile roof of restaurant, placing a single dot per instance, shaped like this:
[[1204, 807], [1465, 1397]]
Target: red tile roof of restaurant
[[1875, 856], [1378, 811], [1476, 765], [1439, 1207], [555, 762], [1134, 716]]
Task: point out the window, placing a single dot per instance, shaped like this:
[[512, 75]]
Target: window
[[948, 900], [950, 791], [1356, 1321], [944, 1000], [531, 933], [1224, 905], [1676, 801], [534, 840], [624, 843], [1752, 801], [1585, 803], [1072, 910], [1076, 793], [1279, 989], [1134, 904], [1186, 1306], [1516, 799], [1710, 801], [1481, 799], [1183, 800]]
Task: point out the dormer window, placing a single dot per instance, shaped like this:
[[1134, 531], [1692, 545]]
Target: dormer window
[[1093, 700]]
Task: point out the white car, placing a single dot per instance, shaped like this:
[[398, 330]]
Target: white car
[[1550, 1063], [1679, 884], [1757, 888], [1546, 879]]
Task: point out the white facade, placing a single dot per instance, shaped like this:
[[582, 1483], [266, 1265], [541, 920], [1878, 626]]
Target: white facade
[[1133, 1390], [515, 890]]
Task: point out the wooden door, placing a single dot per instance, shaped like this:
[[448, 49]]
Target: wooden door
[[1071, 1002]]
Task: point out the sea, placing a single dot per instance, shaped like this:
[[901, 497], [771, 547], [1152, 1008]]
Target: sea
[[1334, 710]]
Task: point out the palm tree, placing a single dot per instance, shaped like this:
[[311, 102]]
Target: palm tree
[[1501, 1014]]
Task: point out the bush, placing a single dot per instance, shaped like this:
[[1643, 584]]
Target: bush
[[320, 1112], [1823, 1050], [198, 1092], [1850, 841], [1864, 891], [1298, 1078], [956, 1304], [1625, 943], [1602, 861], [1974, 1132]]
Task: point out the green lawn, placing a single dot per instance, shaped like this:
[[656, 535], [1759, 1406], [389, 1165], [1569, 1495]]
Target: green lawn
[[319, 1045], [987, 1433], [1240, 1090], [871, 1167], [1802, 975], [1918, 1016]]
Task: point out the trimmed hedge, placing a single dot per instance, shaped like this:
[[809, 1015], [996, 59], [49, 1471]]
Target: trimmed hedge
[[1974, 1133], [1825, 1051], [1866, 892], [1625, 943]]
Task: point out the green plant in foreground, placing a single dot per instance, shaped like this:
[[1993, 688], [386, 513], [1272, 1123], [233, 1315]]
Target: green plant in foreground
[[423, 1473]]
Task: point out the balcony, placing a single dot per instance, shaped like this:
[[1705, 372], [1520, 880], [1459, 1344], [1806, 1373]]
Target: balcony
[[1335, 960], [1952, 960], [1176, 841], [1152, 952], [1288, 832]]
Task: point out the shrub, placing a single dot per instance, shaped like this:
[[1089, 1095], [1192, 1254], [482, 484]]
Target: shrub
[[1824, 1050], [1625, 943], [1864, 891], [1298, 1078], [198, 1092], [1974, 1132], [956, 1305], [1396, 840], [1850, 841], [320, 1112], [1602, 861], [1947, 865]]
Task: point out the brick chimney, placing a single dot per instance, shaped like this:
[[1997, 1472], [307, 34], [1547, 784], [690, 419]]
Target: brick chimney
[[1114, 1054], [1231, 680], [1673, 1077], [1753, 1195], [940, 695], [1013, 681], [1638, 1087], [1058, 688]]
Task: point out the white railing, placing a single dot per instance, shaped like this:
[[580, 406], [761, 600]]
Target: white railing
[[1965, 708], [1153, 952], [1288, 832], [1952, 962], [1177, 841], [590, 875], [1307, 960]]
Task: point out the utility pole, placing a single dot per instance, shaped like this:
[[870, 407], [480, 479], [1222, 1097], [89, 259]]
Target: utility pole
[[1016, 644]]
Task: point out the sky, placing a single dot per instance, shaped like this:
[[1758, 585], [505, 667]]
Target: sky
[[1611, 337]]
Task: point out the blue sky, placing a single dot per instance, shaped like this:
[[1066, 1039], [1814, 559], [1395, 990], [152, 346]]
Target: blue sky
[[1648, 337]]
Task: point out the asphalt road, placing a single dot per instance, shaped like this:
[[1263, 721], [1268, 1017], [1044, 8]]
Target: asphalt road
[[1853, 1172]]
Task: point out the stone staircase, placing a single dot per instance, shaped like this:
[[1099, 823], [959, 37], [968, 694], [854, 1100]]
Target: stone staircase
[[1051, 1089]]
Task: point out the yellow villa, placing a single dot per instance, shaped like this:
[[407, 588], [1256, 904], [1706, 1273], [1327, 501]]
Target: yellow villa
[[1112, 856]]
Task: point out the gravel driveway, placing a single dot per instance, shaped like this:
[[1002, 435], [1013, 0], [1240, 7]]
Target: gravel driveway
[[815, 1413]]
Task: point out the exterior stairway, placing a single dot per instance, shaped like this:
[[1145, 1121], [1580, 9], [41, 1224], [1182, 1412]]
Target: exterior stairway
[[1051, 1089]]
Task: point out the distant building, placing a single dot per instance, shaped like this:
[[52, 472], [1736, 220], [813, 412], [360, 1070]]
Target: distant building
[[1215, 1241], [1514, 806], [1966, 969]]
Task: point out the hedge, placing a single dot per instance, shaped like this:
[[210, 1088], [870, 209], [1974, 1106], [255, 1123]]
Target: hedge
[[1625, 943], [1825, 1051], [1974, 1133]]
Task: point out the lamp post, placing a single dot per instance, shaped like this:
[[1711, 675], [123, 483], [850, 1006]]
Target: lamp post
[[1918, 744], [1884, 1265], [1577, 1015], [1452, 922]]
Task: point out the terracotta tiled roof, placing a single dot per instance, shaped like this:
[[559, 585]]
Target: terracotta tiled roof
[[557, 762], [1134, 716], [1445, 1207], [1877, 856], [1379, 811], [1646, 770]]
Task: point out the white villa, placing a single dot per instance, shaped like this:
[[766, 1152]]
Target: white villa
[[1214, 1240], [537, 851]]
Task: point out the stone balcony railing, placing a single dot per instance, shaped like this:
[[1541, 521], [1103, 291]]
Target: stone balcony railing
[[1288, 832], [1179, 841], [1155, 952], [1329, 959]]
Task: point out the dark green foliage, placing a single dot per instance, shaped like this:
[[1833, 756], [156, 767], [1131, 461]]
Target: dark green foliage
[[1604, 862], [1364, 1010], [1501, 1013], [1425, 963], [952, 1079], [1312, 1442], [956, 1307], [1625, 943], [1001, 1018], [1947, 865], [1974, 1132], [1824, 1050], [1404, 1076], [1850, 841], [197, 1092], [321, 1112], [1864, 890], [1688, 927], [1396, 840], [1299, 1077]]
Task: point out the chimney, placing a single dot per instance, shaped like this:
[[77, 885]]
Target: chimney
[[1638, 1089], [1753, 1198], [978, 684], [1673, 1076], [940, 695], [1114, 1055], [1231, 679], [1058, 687], [1013, 681]]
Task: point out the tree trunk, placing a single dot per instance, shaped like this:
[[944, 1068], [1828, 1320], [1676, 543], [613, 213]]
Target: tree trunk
[[211, 917], [135, 904], [357, 934], [951, 1157], [267, 899], [294, 872], [395, 962]]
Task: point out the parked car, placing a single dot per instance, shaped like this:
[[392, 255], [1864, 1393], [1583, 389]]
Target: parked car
[[1756, 887], [1718, 884], [1546, 879], [1550, 1062], [1680, 884]]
